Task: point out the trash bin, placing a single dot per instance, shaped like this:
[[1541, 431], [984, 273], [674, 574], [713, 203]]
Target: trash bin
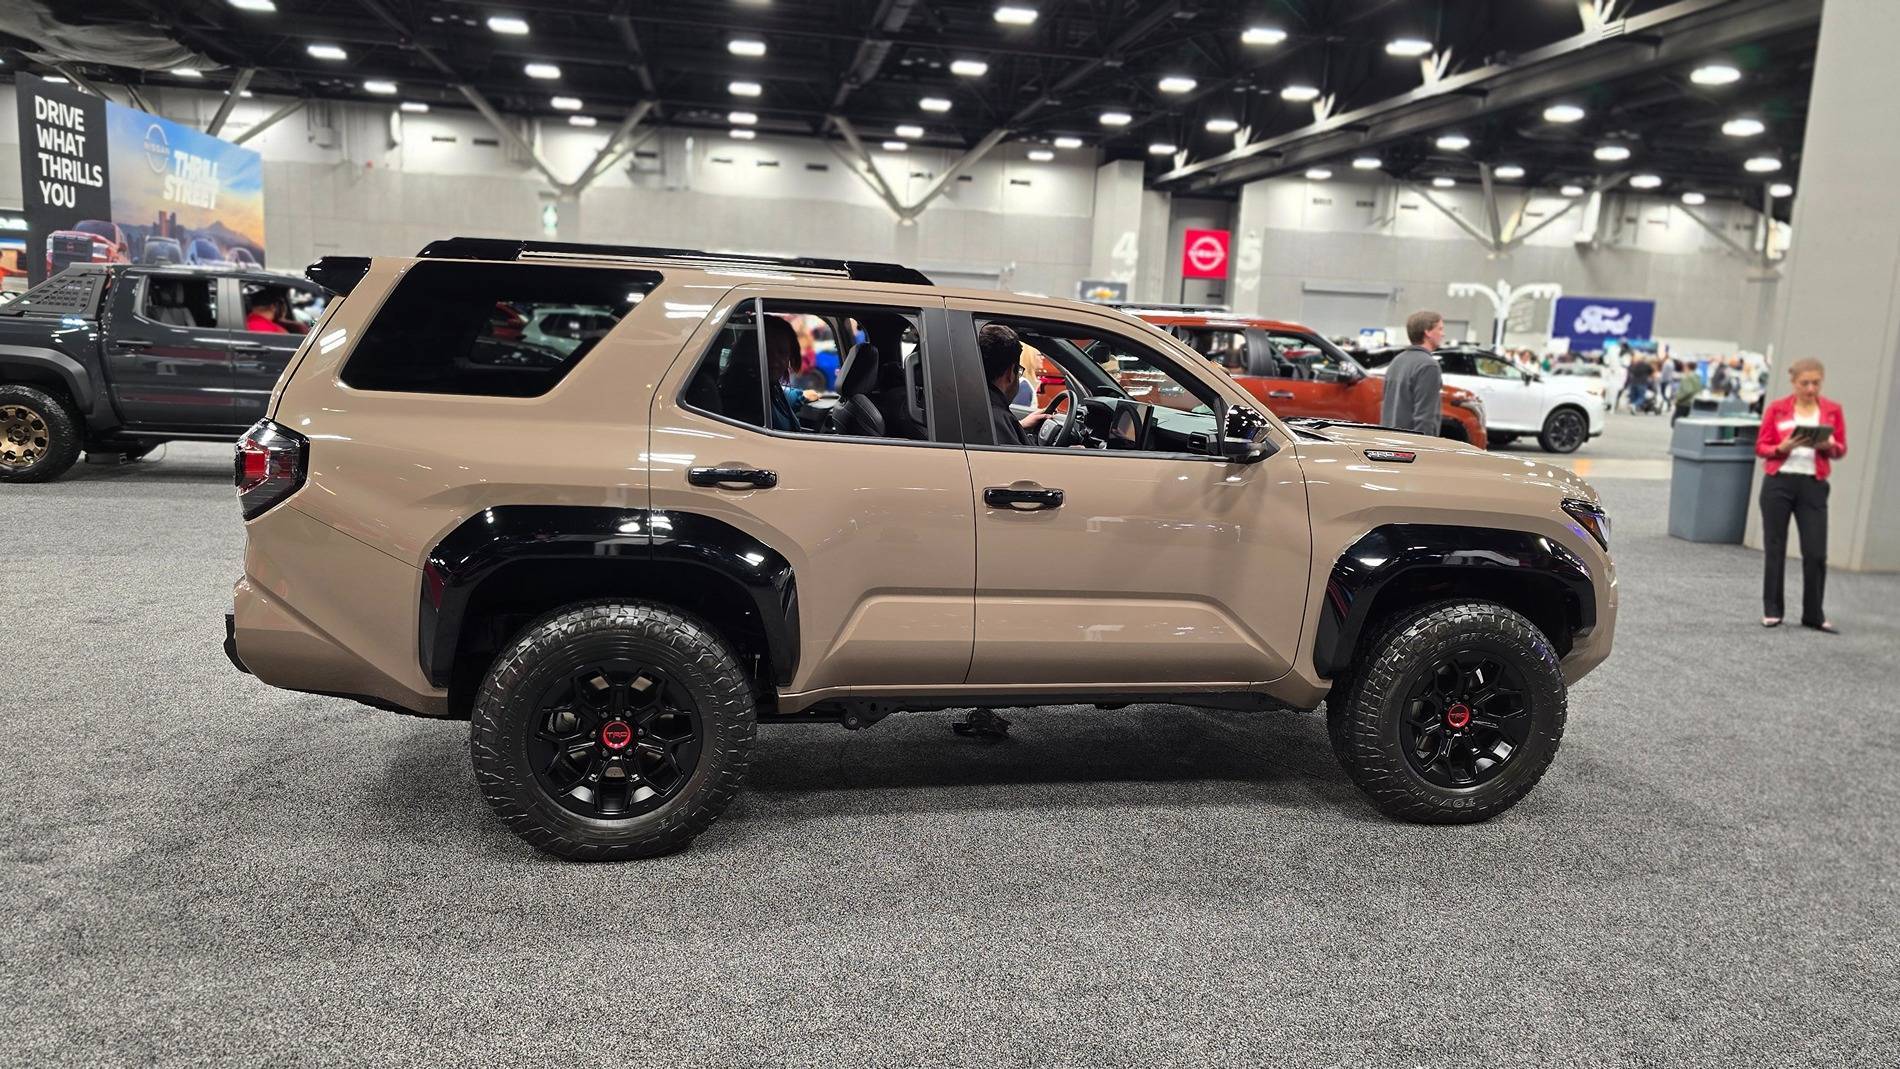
[[1706, 405], [1708, 485]]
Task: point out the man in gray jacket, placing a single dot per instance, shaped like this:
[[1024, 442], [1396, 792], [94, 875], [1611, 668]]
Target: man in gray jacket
[[1413, 382]]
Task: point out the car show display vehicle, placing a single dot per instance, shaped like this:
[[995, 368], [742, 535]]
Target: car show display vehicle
[[1297, 373], [1561, 411], [114, 360], [617, 562], [90, 241]]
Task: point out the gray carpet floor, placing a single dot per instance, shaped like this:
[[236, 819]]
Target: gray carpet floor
[[201, 870]]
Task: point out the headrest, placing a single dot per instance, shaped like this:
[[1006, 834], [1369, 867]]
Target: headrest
[[859, 373]]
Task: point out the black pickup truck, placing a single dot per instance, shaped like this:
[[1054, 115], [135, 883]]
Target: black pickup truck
[[114, 359]]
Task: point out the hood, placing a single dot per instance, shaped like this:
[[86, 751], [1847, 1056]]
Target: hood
[[1437, 457]]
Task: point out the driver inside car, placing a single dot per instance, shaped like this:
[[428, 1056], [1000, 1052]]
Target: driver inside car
[[1002, 365]]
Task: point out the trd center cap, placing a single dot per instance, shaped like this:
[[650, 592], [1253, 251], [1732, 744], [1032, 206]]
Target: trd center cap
[[616, 735], [1457, 717]]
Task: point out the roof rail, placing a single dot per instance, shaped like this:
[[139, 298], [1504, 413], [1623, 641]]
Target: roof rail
[[1159, 307], [510, 249]]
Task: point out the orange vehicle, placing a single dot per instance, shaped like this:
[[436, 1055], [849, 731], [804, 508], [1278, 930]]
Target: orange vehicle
[[1292, 370]]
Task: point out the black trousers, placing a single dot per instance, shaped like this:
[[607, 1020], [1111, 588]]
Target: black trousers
[[1805, 498]]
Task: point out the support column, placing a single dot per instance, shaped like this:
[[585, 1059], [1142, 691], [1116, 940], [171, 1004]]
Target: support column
[[1843, 274], [1115, 244]]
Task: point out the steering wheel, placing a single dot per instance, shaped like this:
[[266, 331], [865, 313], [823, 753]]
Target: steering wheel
[[1061, 431]]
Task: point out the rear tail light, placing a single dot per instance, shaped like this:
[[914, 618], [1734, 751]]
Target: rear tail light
[[271, 462]]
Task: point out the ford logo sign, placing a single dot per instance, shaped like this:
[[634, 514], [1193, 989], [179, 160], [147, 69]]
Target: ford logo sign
[[1602, 319]]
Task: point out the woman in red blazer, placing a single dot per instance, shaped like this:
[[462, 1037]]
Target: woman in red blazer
[[1796, 485]]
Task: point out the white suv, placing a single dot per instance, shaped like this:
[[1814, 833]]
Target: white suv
[[1563, 411]]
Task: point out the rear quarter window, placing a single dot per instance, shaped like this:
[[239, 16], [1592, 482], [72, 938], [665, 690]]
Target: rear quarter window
[[488, 329]]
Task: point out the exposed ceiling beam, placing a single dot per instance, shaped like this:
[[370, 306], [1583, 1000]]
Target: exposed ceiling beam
[[231, 97]]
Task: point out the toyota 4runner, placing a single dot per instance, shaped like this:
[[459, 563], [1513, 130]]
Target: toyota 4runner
[[617, 554]]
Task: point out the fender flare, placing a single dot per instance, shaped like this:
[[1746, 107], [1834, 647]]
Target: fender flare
[[589, 535], [71, 372], [1389, 552]]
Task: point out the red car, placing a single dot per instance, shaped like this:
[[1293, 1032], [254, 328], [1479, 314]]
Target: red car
[[1296, 372], [90, 241]]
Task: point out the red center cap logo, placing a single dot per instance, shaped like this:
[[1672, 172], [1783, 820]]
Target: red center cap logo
[[616, 735], [1456, 717]]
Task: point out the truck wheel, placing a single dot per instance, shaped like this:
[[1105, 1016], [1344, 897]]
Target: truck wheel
[[1564, 430], [39, 435], [1454, 716], [612, 730]]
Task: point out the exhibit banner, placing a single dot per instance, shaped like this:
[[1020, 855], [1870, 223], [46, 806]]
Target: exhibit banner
[[1590, 321], [112, 184], [1204, 254]]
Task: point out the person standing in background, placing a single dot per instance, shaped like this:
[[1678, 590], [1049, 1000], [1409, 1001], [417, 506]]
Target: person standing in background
[[1666, 381], [1413, 381], [1796, 485]]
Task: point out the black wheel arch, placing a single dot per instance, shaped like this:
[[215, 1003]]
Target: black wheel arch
[[508, 564], [1399, 566], [51, 370]]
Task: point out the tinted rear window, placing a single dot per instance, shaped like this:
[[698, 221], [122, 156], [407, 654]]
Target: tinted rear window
[[480, 328]]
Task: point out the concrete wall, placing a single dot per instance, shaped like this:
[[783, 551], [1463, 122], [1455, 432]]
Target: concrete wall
[[1307, 239]]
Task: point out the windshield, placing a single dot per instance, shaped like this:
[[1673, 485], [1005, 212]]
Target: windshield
[[98, 228]]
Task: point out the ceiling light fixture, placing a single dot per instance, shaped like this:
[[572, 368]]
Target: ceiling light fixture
[[1715, 74], [1743, 126], [1572, 191], [750, 47], [1262, 35], [742, 118], [1444, 183], [1612, 153], [187, 72], [741, 134], [582, 120], [909, 130], [380, 88], [254, 5], [330, 52], [1367, 163], [1781, 189], [1563, 113], [55, 79], [1646, 181], [1176, 83], [1509, 170], [1222, 126], [1116, 118], [566, 103], [897, 146], [1015, 15], [1409, 47], [414, 107], [1041, 155], [936, 104], [969, 68], [1299, 94], [508, 24], [1068, 142], [1318, 174], [1453, 142], [744, 89], [1694, 199], [543, 71], [1160, 148], [1762, 165]]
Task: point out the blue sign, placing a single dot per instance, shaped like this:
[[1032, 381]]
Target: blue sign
[[1601, 319]]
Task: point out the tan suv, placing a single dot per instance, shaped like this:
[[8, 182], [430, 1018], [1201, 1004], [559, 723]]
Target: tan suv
[[617, 550]]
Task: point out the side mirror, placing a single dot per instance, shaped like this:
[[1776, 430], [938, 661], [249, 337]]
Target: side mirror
[[1249, 451], [1240, 434]]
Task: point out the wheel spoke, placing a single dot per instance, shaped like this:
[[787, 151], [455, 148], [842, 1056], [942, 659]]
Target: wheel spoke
[[1474, 752], [576, 768]]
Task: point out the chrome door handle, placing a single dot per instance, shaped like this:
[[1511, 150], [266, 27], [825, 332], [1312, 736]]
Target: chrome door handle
[[1022, 499], [1284, 395], [757, 478]]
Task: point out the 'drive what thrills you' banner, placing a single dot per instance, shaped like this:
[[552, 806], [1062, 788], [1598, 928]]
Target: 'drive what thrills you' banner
[[110, 184]]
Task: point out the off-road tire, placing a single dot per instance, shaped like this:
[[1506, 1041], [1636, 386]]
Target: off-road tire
[[688, 651], [1363, 714], [1565, 430], [55, 429]]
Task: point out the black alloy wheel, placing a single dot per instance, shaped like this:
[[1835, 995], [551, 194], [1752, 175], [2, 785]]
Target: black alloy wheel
[[1465, 719], [613, 729], [1565, 430], [614, 739]]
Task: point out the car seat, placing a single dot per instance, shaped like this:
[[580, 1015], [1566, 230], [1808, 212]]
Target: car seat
[[165, 303], [857, 413]]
